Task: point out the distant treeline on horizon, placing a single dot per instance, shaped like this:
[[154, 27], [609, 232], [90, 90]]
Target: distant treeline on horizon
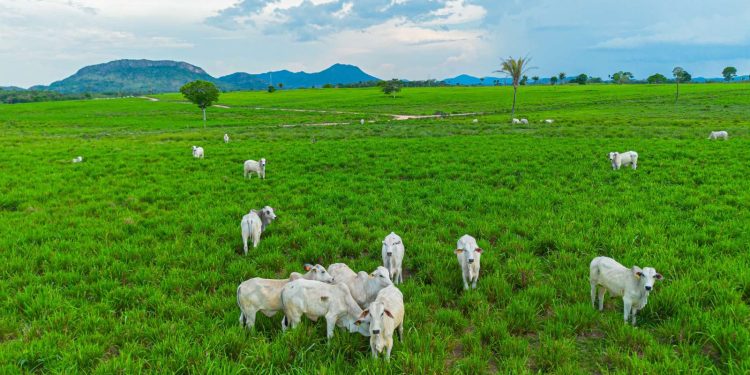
[[16, 95]]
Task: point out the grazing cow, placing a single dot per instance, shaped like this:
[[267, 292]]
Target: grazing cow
[[198, 152], [516, 121], [720, 134], [633, 284], [78, 159], [363, 287], [226, 138], [264, 295], [393, 256], [315, 299], [255, 166], [469, 256], [524, 121], [625, 158], [254, 223], [385, 315]]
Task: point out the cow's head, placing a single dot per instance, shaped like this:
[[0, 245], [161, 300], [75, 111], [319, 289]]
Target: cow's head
[[646, 277]]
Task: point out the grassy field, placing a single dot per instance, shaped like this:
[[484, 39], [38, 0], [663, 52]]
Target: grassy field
[[129, 261]]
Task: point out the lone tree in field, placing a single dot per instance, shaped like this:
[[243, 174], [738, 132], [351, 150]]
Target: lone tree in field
[[729, 73], [561, 77], [622, 77], [515, 69], [656, 78], [553, 80], [391, 87], [581, 79], [680, 75], [201, 93]]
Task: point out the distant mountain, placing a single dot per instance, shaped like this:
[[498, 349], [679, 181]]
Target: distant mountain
[[11, 88], [147, 76], [467, 80], [336, 74], [130, 76]]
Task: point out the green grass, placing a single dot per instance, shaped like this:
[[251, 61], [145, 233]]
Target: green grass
[[129, 262]]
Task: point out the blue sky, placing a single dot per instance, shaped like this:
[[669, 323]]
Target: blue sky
[[46, 40]]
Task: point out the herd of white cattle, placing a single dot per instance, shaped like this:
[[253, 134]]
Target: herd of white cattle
[[371, 304]]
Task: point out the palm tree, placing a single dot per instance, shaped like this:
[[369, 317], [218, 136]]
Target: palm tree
[[515, 69], [561, 77]]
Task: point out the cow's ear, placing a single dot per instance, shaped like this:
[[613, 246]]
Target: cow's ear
[[459, 251], [308, 266], [658, 276], [364, 314], [479, 250], [387, 312]]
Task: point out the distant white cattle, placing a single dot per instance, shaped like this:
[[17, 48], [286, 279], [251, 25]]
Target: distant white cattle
[[385, 315], [719, 135], [516, 121], [364, 287], [258, 167], [315, 299], [625, 158], [226, 138], [393, 256], [633, 284], [524, 121], [78, 159], [198, 152], [549, 121], [469, 257], [474, 121], [264, 295], [361, 121]]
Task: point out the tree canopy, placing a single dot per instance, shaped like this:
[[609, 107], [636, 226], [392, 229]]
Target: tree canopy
[[201, 93], [729, 73], [656, 78], [391, 87], [622, 77]]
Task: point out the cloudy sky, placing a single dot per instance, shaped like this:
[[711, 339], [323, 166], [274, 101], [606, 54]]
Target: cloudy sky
[[45, 40]]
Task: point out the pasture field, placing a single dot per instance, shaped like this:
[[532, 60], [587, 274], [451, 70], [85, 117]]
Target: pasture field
[[129, 262]]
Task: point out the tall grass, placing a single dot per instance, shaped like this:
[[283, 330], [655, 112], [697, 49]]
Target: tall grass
[[129, 262]]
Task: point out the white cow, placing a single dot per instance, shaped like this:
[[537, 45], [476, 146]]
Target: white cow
[[198, 152], [362, 121], [516, 121], [524, 121], [549, 121], [254, 223], [385, 315], [226, 138], [633, 284], [315, 299], [78, 159], [719, 134], [474, 121], [258, 167], [364, 287], [264, 295], [393, 256], [625, 158], [469, 256]]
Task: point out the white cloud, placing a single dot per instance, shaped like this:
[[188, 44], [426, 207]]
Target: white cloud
[[704, 30], [45, 40]]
